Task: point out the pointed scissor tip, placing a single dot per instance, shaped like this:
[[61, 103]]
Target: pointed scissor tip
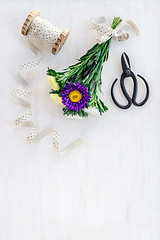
[[125, 62], [124, 54]]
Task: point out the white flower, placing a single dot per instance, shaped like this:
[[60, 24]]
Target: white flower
[[52, 81], [56, 98]]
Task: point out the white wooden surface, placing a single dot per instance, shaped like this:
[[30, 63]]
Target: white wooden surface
[[107, 188]]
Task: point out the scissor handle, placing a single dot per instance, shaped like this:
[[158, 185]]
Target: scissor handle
[[125, 94], [147, 94], [135, 86]]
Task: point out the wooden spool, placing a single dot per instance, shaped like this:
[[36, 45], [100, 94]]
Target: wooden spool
[[61, 39]]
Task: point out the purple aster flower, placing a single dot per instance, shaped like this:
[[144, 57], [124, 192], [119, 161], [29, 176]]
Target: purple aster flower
[[75, 96]]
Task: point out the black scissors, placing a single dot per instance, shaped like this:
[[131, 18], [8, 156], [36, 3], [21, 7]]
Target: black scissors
[[128, 73]]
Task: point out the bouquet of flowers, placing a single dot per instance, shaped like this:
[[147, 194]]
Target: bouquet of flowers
[[77, 87]]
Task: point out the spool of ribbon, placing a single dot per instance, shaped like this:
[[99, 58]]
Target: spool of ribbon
[[45, 31], [50, 35], [108, 32]]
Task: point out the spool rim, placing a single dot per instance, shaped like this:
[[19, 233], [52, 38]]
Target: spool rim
[[60, 41], [28, 21]]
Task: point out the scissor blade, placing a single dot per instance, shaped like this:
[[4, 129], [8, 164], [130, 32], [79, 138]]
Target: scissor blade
[[125, 62]]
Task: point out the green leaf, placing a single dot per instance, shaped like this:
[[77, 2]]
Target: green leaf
[[68, 112], [51, 72], [97, 56], [89, 52], [99, 87], [104, 107], [54, 92]]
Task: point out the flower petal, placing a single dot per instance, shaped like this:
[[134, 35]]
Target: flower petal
[[52, 81], [56, 98]]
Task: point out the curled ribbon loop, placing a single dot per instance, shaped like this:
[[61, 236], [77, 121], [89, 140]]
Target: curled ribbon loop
[[108, 32], [30, 64], [35, 135]]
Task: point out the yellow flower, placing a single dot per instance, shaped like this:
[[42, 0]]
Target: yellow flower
[[56, 98], [52, 81], [75, 96]]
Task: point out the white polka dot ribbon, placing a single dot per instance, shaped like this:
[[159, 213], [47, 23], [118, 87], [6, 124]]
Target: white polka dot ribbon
[[34, 136], [108, 32], [19, 96], [44, 31], [30, 64]]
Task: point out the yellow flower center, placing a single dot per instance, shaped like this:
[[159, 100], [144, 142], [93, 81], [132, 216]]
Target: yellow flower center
[[75, 96]]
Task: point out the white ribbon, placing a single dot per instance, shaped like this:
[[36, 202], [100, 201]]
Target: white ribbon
[[19, 96], [44, 31], [30, 64], [109, 32], [35, 135]]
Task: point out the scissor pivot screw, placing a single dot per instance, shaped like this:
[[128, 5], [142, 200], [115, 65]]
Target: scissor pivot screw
[[127, 72]]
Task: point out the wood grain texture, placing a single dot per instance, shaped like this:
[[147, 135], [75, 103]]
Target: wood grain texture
[[109, 187], [28, 21], [60, 41]]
